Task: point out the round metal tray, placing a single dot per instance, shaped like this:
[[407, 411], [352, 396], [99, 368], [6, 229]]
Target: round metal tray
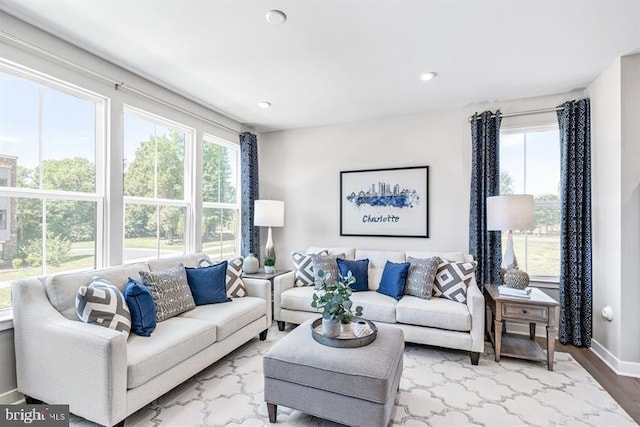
[[344, 340]]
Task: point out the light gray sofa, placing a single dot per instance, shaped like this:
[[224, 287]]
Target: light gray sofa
[[438, 321], [98, 372]]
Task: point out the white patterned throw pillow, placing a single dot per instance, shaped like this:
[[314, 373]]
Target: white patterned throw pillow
[[452, 280], [234, 284], [101, 303], [170, 291]]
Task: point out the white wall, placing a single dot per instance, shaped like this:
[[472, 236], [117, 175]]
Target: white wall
[[630, 195], [302, 167], [605, 97]]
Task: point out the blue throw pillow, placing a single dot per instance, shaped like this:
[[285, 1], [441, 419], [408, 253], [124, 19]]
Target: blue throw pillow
[[393, 279], [208, 283], [359, 269], [141, 307]]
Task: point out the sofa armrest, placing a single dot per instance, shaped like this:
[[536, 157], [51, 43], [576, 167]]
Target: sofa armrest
[[280, 284], [262, 289], [475, 303], [62, 361]]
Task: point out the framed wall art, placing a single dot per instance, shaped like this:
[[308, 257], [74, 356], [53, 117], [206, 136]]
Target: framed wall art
[[385, 202]]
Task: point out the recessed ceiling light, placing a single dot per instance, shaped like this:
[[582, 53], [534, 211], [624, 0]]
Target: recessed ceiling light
[[276, 17], [425, 77], [264, 104]]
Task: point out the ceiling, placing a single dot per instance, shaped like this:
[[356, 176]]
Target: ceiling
[[340, 61]]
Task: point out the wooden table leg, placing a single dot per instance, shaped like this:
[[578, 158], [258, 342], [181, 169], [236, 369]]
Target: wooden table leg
[[551, 343], [273, 412], [532, 330], [497, 338]]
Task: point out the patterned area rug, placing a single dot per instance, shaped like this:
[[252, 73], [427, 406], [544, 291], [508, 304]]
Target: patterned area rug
[[439, 387]]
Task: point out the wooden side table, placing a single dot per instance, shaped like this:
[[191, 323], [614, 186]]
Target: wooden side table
[[264, 276], [538, 308]]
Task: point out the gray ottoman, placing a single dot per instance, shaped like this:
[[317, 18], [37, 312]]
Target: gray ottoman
[[353, 386]]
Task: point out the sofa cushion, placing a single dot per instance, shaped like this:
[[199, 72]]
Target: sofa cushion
[[393, 279], [452, 280], [141, 306], [297, 298], [421, 276], [62, 288], [103, 304], [360, 271], [376, 306], [303, 268], [229, 317], [208, 283], [377, 260], [173, 341], [349, 253], [435, 313], [170, 291]]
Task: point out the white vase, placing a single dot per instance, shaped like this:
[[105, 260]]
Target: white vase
[[346, 328], [269, 269], [330, 327], [250, 264], [361, 329]]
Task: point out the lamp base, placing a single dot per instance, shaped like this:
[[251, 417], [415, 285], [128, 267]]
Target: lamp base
[[514, 278], [270, 250]]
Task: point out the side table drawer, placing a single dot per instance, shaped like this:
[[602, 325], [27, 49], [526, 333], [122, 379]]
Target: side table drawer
[[525, 312]]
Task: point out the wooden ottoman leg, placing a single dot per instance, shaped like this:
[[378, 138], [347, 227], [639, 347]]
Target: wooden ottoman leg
[[273, 412]]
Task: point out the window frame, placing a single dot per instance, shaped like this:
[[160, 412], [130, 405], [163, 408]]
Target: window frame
[[101, 123], [207, 138], [188, 199], [524, 129]]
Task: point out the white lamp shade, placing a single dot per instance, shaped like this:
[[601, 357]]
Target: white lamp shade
[[269, 213], [512, 212]]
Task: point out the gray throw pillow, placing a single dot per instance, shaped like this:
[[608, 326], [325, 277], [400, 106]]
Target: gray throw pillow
[[326, 264], [452, 280], [170, 291], [303, 268], [101, 303], [422, 273]]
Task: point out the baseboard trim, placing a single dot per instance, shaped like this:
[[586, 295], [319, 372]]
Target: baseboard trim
[[620, 367], [12, 397]]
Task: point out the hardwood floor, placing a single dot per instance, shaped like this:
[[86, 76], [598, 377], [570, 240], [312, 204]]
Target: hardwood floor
[[625, 390]]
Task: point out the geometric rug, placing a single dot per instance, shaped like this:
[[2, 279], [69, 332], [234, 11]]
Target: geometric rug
[[439, 387]]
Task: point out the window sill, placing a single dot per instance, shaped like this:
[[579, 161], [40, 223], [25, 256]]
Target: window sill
[[6, 320], [545, 282]]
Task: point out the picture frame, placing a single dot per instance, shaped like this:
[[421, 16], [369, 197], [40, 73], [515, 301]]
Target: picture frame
[[392, 202]]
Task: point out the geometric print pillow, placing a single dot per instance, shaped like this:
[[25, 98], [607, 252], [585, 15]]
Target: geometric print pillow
[[101, 303], [170, 291], [452, 280], [233, 282], [303, 267]]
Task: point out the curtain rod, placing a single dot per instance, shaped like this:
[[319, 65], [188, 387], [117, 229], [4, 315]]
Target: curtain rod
[[525, 113], [116, 83]]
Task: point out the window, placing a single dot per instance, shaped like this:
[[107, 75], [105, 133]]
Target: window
[[51, 139], [221, 198], [530, 163], [156, 186]]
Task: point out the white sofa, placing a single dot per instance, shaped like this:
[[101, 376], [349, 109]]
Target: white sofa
[[98, 372], [438, 321]]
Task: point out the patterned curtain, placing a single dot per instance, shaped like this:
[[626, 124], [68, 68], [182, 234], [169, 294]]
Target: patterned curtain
[[575, 238], [484, 245], [249, 180]]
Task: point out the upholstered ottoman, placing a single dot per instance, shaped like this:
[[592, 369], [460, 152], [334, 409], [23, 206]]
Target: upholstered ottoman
[[353, 386]]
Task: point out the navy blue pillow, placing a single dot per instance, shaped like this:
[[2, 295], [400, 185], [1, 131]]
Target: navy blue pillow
[[359, 269], [393, 279], [141, 307], [208, 283]]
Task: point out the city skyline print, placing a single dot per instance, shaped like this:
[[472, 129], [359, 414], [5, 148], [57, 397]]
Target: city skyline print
[[384, 202]]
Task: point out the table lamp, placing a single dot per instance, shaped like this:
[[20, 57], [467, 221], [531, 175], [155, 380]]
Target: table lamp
[[269, 213], [508, 213]]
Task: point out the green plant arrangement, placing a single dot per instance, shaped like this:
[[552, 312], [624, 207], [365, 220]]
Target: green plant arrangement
[[269, 262], [334, 298]]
